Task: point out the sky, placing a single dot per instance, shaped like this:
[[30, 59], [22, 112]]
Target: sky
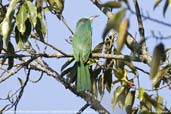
[[48, 95]]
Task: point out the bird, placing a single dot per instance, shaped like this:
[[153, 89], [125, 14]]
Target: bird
[[81, 45]]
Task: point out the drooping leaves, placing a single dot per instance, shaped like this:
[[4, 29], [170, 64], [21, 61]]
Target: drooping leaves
[[21, 18], [33, 12], [122, 34], [129, 101], [94, 75], [121, 74], [117, 95], [98, 48], [160, 74], [114, 22], [20, 38], [11, 53], [101, 85], [40, 27], [108, 79], [157, 55], [21, 82], [70, 73], [56, 6], [68, 62], [7, 22]]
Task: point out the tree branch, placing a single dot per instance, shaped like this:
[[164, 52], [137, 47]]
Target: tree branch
[[94, 55], [95, 104], [131, 43]]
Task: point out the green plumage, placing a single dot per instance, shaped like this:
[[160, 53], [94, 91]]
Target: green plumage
[[81, 44]]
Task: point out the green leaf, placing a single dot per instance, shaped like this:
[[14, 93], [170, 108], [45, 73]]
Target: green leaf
[[68, 62], [27, 32], [157, 2], [21, 82], [94, 87], [71, 75], [123, 27], [114, 22], [21, 17], [68, 70], [10, 52], [157, 55], [112, 4], [129, 101], [7, 22], [121, 74], [9, 95], [167, 54], [40, 27], [169, 3], [20, 38], [108, 79], [6, 25], [98, 48], [165, 7], [118, 91], [141, 94], [160, 74], [122, 97], [33, 12], [101, 84]]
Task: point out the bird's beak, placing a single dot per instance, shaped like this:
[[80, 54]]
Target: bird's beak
[[93, 17]]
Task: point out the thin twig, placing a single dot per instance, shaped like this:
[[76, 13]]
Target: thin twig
[[151, 19], [156, 89], [83, 108], [142, 70], [35, 81], [22, 91], [15, 104], [65, 23], [46, 43]]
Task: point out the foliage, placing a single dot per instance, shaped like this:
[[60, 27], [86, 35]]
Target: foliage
[[23, 21]]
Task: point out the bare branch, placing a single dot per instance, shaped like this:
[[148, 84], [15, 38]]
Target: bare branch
[[65, 23], [95, 104], [11, 73], [94, 55], [139, 19]]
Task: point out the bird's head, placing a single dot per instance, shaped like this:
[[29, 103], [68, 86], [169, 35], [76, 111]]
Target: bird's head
[[85, 22]]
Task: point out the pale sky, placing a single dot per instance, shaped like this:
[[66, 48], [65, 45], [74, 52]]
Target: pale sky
[[48, 94]]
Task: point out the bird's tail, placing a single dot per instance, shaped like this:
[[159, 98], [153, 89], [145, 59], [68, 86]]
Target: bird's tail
[[83, 78]]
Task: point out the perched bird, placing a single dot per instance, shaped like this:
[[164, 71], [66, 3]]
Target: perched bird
[[81, 44], [56, 6]]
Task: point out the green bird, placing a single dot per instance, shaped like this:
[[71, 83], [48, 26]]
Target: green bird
[[56, 6], [81, 44]]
